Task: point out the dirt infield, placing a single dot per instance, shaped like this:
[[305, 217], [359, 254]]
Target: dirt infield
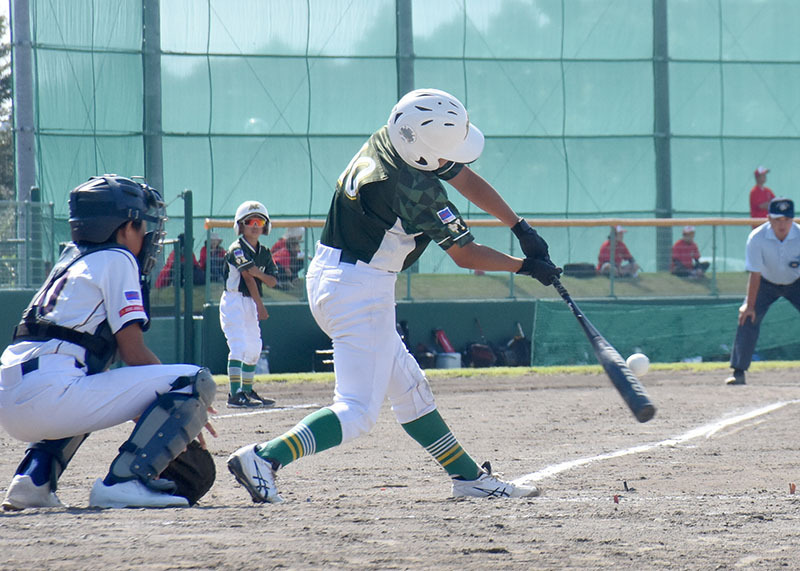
[[708, 487]]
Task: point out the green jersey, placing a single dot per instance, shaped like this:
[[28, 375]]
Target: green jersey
[[385, 212], [241, 256]]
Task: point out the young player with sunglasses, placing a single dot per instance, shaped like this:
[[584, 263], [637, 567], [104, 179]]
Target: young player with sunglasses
[[248, 264]]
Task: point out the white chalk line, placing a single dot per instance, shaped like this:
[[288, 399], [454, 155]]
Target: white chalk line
[[707, 430], [265, 410]]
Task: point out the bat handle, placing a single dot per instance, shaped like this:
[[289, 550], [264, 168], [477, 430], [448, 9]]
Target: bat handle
[[560, 288]]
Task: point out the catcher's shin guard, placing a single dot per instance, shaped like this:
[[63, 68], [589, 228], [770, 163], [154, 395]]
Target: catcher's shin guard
[[164, 429], [57, 452]]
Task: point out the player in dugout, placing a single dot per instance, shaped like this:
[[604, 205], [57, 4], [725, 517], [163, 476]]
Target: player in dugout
[[389, 205], [55, 383]]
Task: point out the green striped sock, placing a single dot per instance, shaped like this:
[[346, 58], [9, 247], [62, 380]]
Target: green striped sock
[[248, 374], [318, 431], [235, 375], [432, 433]]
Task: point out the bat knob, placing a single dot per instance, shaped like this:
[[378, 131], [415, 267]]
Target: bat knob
[[645, 413]]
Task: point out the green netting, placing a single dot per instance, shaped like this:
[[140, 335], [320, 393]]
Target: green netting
[[269, 100], [665, 333]]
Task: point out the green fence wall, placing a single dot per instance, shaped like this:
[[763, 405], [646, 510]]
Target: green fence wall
[[666, 330]]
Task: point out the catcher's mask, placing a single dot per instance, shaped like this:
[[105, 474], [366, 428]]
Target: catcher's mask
[[98, 207]]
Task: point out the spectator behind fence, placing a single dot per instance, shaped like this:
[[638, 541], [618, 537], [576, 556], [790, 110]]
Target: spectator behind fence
[[686, 256], [624, 264], [760, 195], [167, 273], [216, 259], [772, 258], [287, 255]]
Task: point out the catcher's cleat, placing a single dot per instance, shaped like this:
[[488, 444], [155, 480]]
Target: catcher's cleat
[[240, 400], [132, 494], [23, 493], [488, 486], [737, 378], [255, 474], [254, 397]]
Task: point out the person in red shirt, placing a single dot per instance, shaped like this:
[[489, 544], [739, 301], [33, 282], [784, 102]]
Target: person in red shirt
[[686, 256], [167, 273], [760, 195], [287, 255], [624, 264], [216, 257]]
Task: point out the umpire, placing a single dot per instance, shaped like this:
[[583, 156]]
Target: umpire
[[773, 259]]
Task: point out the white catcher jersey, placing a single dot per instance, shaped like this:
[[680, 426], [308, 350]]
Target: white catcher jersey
[[99, 286]]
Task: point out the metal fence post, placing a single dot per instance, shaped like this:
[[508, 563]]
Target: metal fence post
[[188, 279]]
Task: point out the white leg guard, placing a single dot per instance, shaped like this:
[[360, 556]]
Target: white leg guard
[[165, 428]]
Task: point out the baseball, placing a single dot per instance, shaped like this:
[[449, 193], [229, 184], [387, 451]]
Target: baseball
[[638, 363]]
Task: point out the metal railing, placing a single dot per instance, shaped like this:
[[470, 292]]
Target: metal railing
[[27, 243]]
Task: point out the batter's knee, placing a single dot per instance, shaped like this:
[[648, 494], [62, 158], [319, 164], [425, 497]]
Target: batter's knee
[[355, 418], [416, 402]]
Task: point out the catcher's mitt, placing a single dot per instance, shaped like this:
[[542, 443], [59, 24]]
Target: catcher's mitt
[[193, 472]]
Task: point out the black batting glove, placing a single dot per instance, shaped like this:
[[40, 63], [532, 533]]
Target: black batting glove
[[533, 245], [543, 270]]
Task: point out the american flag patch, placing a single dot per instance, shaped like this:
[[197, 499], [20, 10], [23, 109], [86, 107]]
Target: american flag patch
[[132, 295], [445, 215]]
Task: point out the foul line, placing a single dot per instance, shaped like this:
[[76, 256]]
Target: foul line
[[265, 411], [707, 430]]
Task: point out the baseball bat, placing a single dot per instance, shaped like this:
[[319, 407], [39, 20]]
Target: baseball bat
[[626, 383]]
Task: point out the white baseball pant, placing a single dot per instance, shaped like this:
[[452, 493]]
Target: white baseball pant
[[354, 305], [59, 400], [238, 317]]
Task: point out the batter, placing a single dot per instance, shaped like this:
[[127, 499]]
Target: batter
[[388, 206]]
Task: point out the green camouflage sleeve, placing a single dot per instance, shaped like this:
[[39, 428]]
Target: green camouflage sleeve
[[421, 203]]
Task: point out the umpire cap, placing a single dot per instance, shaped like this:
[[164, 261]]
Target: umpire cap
[[779, 207]]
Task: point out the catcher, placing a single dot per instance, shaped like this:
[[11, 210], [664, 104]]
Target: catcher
[[55, 383]]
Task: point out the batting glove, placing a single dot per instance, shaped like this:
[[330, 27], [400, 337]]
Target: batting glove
[[533, 245], [543, 270]]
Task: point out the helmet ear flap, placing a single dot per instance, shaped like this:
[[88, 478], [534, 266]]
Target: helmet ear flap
[[268, 227]]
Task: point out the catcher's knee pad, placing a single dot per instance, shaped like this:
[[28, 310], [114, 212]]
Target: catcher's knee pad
[[60, 451], [165, 428]]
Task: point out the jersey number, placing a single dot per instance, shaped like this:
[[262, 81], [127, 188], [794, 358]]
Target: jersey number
[[353, 176]]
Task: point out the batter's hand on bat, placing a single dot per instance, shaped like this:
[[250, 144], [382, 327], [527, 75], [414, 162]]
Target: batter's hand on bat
[[533, 245], [542, 269]]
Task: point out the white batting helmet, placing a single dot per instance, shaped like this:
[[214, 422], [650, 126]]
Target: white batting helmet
[[252, 208], [428, 124]]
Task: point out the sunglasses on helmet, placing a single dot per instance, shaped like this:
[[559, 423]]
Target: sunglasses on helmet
[[255, 221]]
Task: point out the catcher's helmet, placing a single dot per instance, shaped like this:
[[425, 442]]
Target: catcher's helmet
[[104, 203], [252, 208], [428, 124]]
